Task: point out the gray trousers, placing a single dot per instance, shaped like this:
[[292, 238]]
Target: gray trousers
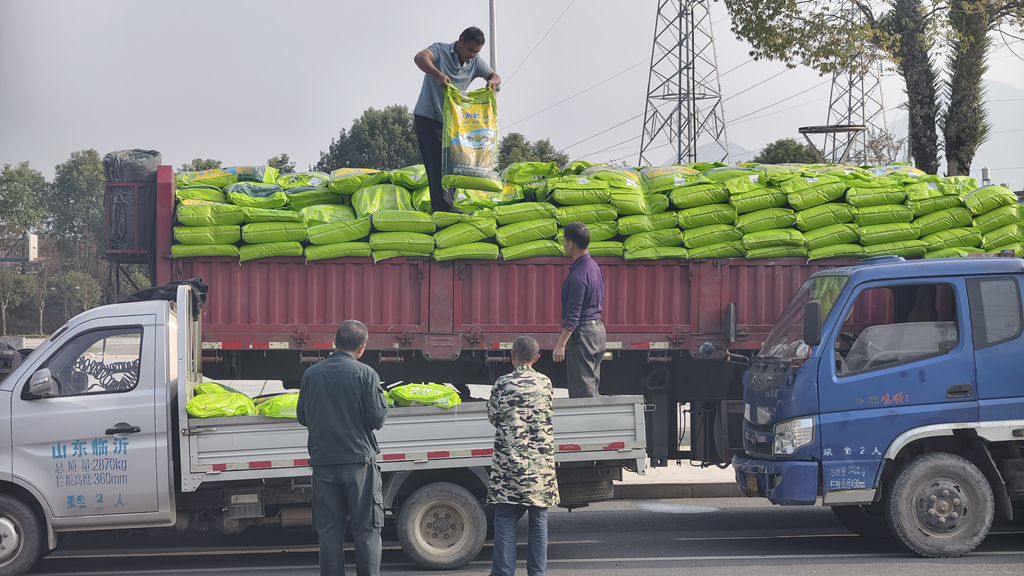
[[340, 490], [583, 354]]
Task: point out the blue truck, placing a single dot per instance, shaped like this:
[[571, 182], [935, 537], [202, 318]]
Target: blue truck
[[893, 391]]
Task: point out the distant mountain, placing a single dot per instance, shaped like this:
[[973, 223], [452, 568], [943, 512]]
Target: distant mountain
[[712, 152]]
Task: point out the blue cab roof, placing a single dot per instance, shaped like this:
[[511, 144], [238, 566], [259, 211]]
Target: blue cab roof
[[895, 267]]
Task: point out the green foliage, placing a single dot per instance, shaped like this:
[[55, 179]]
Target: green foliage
[[200, 164], [14, 288], [379, 139], [84, 292], [74, 205], [283, 163], [22, 191], [786, 151], [515, 147]]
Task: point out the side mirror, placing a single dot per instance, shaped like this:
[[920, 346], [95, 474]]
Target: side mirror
[[812, 323], [41, 383], [730, 322]]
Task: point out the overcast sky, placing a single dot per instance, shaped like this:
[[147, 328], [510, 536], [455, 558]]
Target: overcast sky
[[244, 81]]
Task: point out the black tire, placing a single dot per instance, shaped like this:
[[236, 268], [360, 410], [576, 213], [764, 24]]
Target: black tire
[[23, 534], [868, 521], [459, 537], [940, 506], [580, 493]]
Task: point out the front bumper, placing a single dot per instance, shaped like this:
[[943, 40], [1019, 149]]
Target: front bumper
[[782, 482]]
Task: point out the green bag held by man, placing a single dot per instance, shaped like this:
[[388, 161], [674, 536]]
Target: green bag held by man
[[469, 140]]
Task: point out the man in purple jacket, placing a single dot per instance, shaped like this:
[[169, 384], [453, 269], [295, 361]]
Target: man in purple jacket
[[582, 341]]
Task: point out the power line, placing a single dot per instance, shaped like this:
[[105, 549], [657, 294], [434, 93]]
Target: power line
[[779, 111], [780, 101], [1005, 131], [539, 41], [758, 84], [603, 131], [1004, 168], [610, 147]]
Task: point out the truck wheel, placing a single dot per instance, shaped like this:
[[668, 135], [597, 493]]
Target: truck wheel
[[940, 506], [579, 493], [21, 535], [868, 521], [442, 526]]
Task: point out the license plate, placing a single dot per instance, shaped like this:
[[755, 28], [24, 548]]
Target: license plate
[[751, 485]]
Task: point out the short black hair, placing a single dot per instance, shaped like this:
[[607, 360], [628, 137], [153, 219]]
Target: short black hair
[[578, 234], [525, 348], [472, 34], [351, 335]]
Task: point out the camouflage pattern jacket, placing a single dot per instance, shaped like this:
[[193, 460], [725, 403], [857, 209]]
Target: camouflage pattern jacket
[[523, 464]]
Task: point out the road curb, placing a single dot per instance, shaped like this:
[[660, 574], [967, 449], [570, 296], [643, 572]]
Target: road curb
[[676, 490]]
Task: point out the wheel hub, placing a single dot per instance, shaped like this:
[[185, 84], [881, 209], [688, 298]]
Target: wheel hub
[[9, 539], [941, 507], [441, 527]]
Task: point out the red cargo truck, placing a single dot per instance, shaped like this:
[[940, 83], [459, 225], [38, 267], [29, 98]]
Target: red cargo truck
[[455, 322]]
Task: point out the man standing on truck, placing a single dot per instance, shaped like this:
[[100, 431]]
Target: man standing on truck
[[523, 462], [582, 340], [341, 403], [457, 63]]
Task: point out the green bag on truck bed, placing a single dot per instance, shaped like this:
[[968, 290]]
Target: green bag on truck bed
[[831, 235], [278, 406], [598, 232], [574, 167], [836, 251], [207, 234], [989, 198], [641, 223], [444, 219], [769, 238], [221, 177], [197, 250], [465, 233], [269, 249], [368, 200], [203, 213], [657, 253], [520, 232], [534, 248], [250, 215], [208, 193], [256, 195], [875, 196], [526, 173], [805, 192], [1018, 248], [587, 213], [214, 388], [925, 206], [634, 204], [303, 180], [606, 249], [767, 219], [699, 192], [411, 177], [944, 220], [621, 179], [525, 211], [886, 233], [403, 221], [220, 405], [348, 180], [662, 178], [758, 200], [721, 250], [299, 198], [339, 250], [955, 238], [337, 232], [421, 200], [327, 214], [824, 215], [997, 218], [777, 252], [883, 214], [469, 200], [951, 253], [707, 215], [469, 251], [1002, 236], [424, 395], [580, 197], [261, 232], [671, 238], [713, 234], [406, 242], [469, 140], [906, 248]]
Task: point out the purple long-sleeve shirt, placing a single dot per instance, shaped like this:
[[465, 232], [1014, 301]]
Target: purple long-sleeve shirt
[[582, 292]]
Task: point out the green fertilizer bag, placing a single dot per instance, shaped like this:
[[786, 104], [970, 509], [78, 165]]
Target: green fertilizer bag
[[208, 193], [699, 192], [520, 232], [251, 215], [805, 192], [951, 253], [906, 248], [469, 140], [410, 178], [337, 232], [279, 406], [465, 233], [587, 213], [622, 179], [424, 395], [1002, 236], [861, 197], [767, 219], [885, 214], [219, 405], [657, 253], [836, 251], [368, 200], [256, 195], [944, 220], [207, 234], [534, 248], [379, 255], [777, 252], [299, 198], [214, 388], [421, 200], [997, 218], [339, 250], [640, 223], [706, 216], [746, 182], [769, 238], [261, 232], [598, 232], [221, 177], [989, 198], [349, 180], [327, 214], [445, 219], [831, 235], [886, 233], [470, 251], [1018, 248], [824, 215], [303, 180], [670, 238], [406, 242], [527, 173], [955, 238], [758, 200], [525, 211], [579, 196], [269, 249], [925, 206], [574, 168], [197, 250], [606, 249], [634, 204], [662, 178], [403, 221], [709, 235], [472, 200], [202, 213], [721, 250]]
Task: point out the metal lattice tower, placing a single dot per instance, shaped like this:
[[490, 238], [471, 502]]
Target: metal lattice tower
[[855, 99], [684, 95]]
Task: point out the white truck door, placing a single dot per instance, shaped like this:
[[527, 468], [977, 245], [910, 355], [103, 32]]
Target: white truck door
[[92, 449]]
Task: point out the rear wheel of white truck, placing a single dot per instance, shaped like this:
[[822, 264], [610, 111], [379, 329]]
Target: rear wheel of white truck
[[940, 506], [22, 538], [442, 526]]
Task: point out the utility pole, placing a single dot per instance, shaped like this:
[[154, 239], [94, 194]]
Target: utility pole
[[684, 94], [494, 37]]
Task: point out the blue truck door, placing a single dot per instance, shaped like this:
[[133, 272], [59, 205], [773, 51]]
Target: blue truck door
[[902, 358], [996, 321]]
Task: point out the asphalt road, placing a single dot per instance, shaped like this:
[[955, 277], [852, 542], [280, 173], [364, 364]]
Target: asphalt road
[[664, 537]]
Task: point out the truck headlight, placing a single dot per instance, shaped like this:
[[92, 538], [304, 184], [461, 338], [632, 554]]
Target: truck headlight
[[792, 434]]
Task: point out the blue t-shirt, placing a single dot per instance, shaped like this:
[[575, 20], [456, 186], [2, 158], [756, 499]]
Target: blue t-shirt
[[447, 61]]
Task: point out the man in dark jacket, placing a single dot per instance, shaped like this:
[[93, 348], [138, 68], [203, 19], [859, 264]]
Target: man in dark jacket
[[341, 403]]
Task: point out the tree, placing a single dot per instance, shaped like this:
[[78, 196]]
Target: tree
[[38, 288], [883, 147], [905, 33], [13, 289], [74, 203], [283, 163], [200, 164], [88, 292], [515, 147], [786, 151], [22, 190], [379, 139]]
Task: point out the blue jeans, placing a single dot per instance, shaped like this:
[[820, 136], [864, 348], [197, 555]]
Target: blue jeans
[[505, 518]]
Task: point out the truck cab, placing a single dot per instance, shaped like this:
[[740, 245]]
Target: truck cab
[[890, 390]]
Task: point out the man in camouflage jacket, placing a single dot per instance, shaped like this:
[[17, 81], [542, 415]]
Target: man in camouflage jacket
[[523, 465]]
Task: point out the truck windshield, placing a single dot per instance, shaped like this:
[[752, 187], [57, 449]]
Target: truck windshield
[[785, 341]]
